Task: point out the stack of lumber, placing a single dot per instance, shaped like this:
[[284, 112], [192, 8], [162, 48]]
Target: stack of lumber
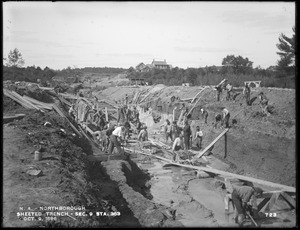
[[39, 104], [22, 101]]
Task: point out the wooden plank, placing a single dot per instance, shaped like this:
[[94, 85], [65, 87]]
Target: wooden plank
[[180, 117], [212, 143], [196, 101], [197, 94], [272, 201], [7, 93], [39, 103], [106, 114], [147, 94], [46, 88], [26, 101], [290, 200], [108, 103], [263, 203], [17, 99], [187, 99], [227, 174], [69, 96], [173, 117], [7, 119], [55, 107], [65, 101]]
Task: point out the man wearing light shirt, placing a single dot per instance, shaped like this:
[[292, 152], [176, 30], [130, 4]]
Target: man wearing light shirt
[[177, 145], [115, 139], [225, 117]]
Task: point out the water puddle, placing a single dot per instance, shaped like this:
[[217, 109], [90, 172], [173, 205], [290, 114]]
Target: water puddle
[[195, 203]]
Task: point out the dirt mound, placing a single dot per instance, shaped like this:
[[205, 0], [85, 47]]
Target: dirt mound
[[67, 178]]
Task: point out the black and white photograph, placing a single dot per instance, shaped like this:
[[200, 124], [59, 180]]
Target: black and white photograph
[[149, 114]]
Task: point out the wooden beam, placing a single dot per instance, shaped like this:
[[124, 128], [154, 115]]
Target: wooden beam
[[65, 101], [211, 144], [193, 99], [55, 107], [180, 117], [290, 200], [225, 139], [228, 174], [39, 103], [7, 119], [106, 114], [272, 201], [26, 101], [196, 101], [263, 203]]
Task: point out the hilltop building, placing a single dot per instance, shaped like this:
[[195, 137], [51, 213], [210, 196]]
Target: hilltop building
[[141, 67]]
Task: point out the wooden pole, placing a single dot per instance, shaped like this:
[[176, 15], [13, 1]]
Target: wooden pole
[[196, 101], [225, 138], [174, 113], [106, 114]]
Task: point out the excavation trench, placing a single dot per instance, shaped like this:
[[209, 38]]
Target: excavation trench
[[159, 195]]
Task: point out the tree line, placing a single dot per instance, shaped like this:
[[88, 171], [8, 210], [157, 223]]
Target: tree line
[[236, 69]]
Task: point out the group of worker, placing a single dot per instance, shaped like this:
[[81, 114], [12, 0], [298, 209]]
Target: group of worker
[[246, 93]]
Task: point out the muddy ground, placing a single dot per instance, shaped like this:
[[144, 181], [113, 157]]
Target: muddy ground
[[263, 147], [146, 192]]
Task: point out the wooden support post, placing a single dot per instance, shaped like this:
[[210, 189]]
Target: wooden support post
[[106, 114], [263, 203], [225, 138], [272, 201], [290, 200], [211, 144]]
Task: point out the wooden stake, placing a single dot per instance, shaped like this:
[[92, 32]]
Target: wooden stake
[[225, 138], [106, 114]]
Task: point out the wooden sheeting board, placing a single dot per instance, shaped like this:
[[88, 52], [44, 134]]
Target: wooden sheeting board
[[11, 118], [22, 101], [39, 103], [211, 144], [55, 107], [197, 100]]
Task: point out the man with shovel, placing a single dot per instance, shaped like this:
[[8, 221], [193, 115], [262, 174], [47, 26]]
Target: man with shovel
[[243, 197]]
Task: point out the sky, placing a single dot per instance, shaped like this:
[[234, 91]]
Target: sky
[[123, 34]]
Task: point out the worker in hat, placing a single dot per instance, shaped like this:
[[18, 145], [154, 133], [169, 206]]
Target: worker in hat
[[247, 92], [204, 114], [143, 135], [116, 139], [244, 199], [263, 103]]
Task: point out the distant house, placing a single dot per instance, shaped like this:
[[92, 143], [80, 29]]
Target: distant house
[[161, 64], [140, 67]]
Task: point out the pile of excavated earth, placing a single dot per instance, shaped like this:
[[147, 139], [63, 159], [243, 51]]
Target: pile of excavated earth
[[137, 189]]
